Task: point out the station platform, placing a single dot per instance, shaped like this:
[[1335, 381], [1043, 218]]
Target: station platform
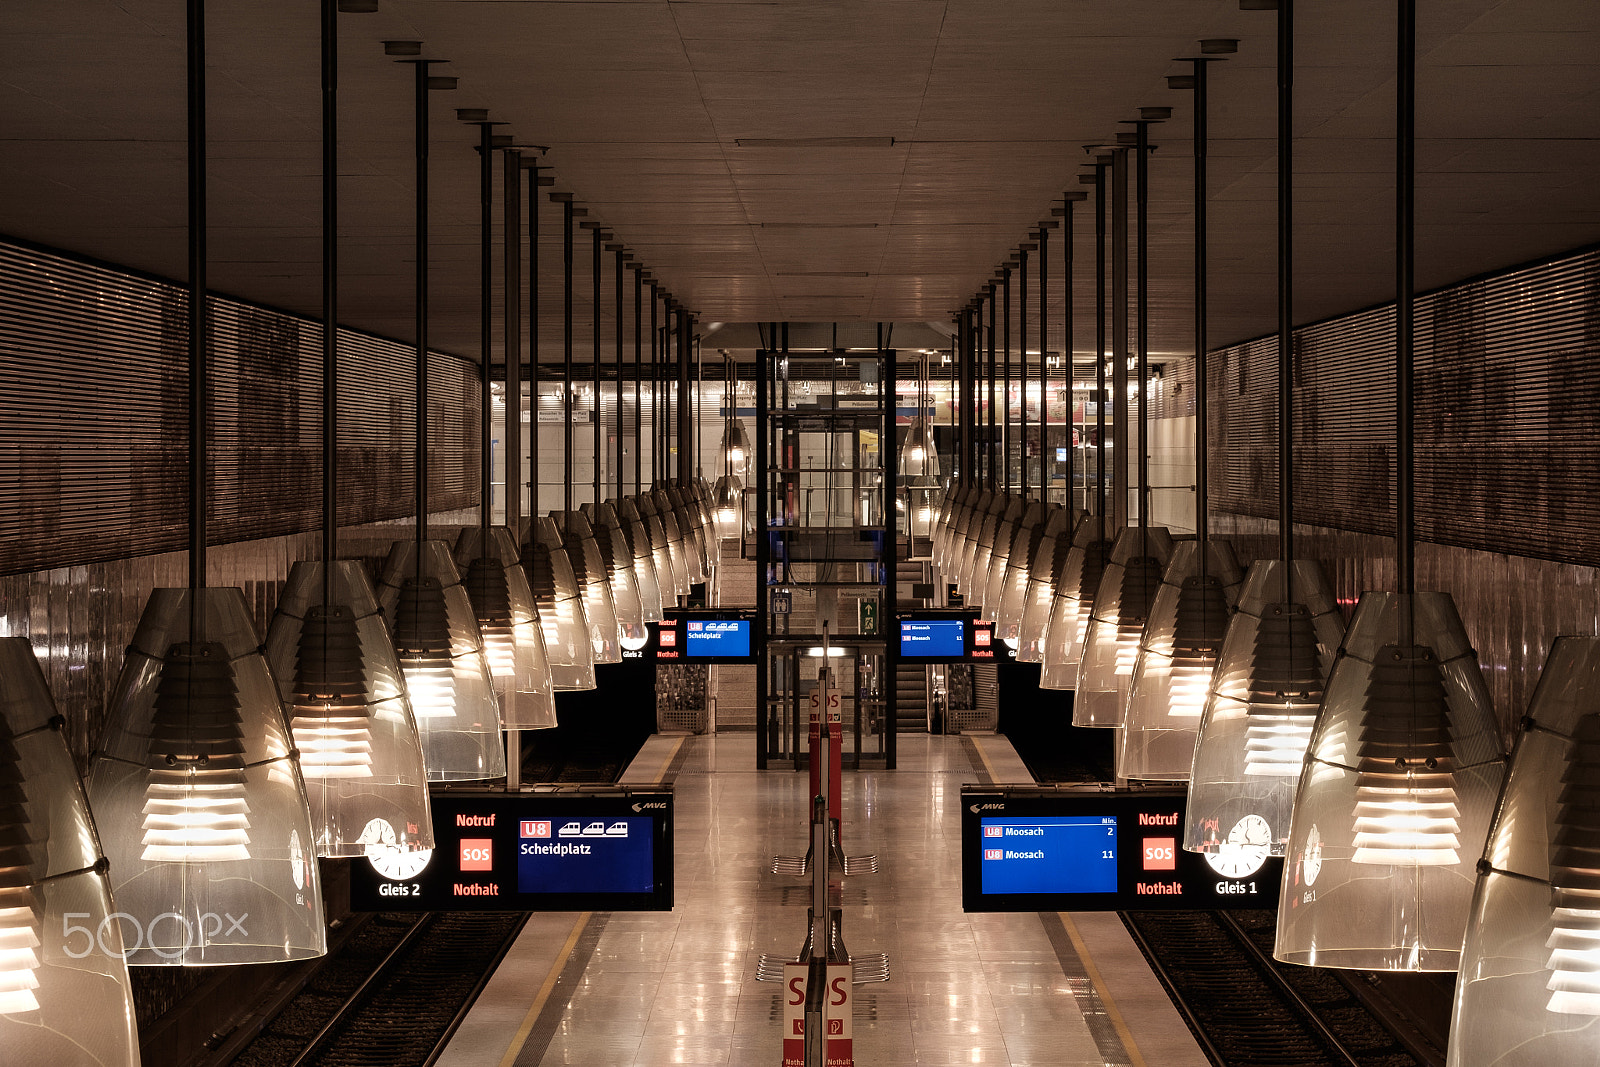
[[647, 989]]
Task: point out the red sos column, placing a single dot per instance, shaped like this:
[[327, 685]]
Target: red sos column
[[837, 1013], [794, 1013], [825, 695]]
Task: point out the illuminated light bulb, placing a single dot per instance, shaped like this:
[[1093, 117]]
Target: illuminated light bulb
[[1178, 651], [195, 809], [1073, 606], [1394, 798], [1264, 696], [1122, 605]]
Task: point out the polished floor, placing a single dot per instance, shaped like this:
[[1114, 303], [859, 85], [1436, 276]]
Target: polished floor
[[609, 990]]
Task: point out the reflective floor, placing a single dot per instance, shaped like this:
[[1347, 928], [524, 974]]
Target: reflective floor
[[661, 988]]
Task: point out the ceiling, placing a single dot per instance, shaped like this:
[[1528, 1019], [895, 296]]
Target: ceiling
[[801, 160]]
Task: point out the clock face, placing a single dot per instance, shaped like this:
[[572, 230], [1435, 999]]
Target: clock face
[[1311, 864], [1244, 850], [297, 860], [387, 859]]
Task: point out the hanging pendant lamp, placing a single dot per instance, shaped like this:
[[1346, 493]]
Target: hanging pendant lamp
[[565, 627], [198, 794], [508, 620], [1264, 696], [671, 571], [1044, 577], [1529, 984], [735, 445], [195, 785], [1009, 589], [986, 533], [1077, 580], [1122, 605], [697, 556], [646, 574], [1405, 759], [328, 646], [621, 579], [588, 567], [360, 751], [62, 1000], [1179, 649]]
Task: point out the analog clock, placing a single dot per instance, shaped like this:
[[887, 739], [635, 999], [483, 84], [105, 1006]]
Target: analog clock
[[1311, 862], [297, 860], [1244, 850], [387, 859]]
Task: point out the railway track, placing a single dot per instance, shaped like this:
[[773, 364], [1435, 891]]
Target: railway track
[[1247, 1010]]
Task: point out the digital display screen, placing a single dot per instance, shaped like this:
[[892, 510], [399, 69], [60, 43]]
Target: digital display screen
[[1025, 848], [716, 638], [933, 638], [1050, 855], [552, 850]]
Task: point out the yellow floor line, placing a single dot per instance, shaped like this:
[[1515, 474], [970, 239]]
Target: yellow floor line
[[1117, 1022], [667, 763], [528, 1020], [987, 766]]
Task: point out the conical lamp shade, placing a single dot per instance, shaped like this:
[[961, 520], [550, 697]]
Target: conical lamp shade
[[441, 654], [648, 579], [1076, 583], [1010, 558], [983, 515], [618, 560], [918, 457], [508, 620], [993, 531], [1039, 595], [1529, 987], [955, 529], [583, 552], [735, 448], [1264, 698], [1395, 796], [1025, 552], [728, 507], [1122, 605], [950, 512], [689, 532], [360, 752], [1179, 650], [922, 514], [63, 999], [667, 546], [703, 498], [198, 796], [568, 648]]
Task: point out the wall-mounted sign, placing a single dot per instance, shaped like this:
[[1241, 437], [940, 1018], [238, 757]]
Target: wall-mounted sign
[[540, 851], [1030, 849]]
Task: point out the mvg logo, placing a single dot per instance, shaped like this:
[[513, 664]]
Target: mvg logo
[[535, 828]]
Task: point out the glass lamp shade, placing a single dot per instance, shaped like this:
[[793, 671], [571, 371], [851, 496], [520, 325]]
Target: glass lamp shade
[[955, 504], [588, 567], [197, 794], [1016, 553], [1179, 650], [974, 581], [735, 448], [1077, 582], [568, 649], [360, 751], [1020, 568], [918, 457], [955, 532], [436, 637], [692, 534], [508, 620], [1122, 605], [1039, 595], [1395, 796], [1529, 987], [728, 507], [670, 569], [63, 1000], [620, 576], [645, 577], [1263, 703], [966, 540]]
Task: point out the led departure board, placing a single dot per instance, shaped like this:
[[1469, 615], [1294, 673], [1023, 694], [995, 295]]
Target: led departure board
[[939, 639], [1030, 848], [701, 636], [554, 850]]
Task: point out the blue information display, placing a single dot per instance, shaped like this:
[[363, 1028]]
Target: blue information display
[[716, 638], [547, 850], [933, 638], [585, 855], [1050, 855]]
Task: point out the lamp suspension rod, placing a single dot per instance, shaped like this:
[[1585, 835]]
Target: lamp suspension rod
[[1141, 188], [621, 452], [1067, 280], [1119, 337], [330, 293], [566, 353], [1405, 279], [1022, 371], [1005, 377], [511, 252], [994, 368], [485, 312], [1202, 517], [638, 375], [655, 391], [1286, 284], [195, 89], [596, 264], [1100, 343], [533, 340], [422, 302], [1044, 365]]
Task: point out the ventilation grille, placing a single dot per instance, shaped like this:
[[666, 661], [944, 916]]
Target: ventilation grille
[[1507, 413], [94, 419]]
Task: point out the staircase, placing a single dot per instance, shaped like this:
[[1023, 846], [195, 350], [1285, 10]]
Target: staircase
[[910, 679]]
